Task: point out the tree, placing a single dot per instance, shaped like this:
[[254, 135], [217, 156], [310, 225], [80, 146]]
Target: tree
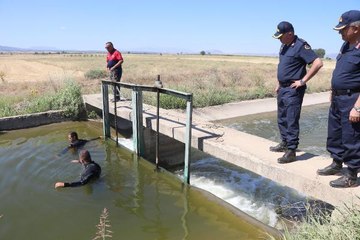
[[320, 52], [202, 53]]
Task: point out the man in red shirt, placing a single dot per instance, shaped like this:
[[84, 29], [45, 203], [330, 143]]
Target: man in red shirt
[[114, 61]]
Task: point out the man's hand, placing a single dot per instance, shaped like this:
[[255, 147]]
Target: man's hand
[[354, 116], [297, 84], [59, 185], [75, 161]]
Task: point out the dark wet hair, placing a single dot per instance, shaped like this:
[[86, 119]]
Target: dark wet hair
[[85, 155], [110, 43], [74, 134]]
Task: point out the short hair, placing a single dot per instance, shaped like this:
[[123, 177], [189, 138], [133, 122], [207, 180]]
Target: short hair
[[357, 23], [74, 134], [85, 155], [109, 43]]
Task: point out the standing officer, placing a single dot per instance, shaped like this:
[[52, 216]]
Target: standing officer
[[343, 140], [114, 62], [295, 54]]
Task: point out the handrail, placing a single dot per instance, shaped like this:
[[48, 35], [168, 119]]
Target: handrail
[[137, 116], [175, 93]]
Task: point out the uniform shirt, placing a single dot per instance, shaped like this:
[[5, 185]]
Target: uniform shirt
[[346, 74], [293, 59], [91, 171], [113, 58]]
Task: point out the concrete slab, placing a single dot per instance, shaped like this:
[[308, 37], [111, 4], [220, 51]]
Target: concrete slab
[[238, 109], [242, 149]]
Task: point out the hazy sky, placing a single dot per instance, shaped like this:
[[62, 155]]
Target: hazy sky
[[229, 26]]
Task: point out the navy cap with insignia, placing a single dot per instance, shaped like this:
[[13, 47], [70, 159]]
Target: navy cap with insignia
[[282, 28], [347, 18]]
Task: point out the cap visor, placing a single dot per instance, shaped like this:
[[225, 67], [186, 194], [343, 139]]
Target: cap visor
[[339, 27], [277, 35]]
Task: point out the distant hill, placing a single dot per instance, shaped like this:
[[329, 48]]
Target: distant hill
[[32, 49], [12, 49]]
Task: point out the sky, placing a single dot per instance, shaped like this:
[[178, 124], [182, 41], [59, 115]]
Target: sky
[[227, 26]]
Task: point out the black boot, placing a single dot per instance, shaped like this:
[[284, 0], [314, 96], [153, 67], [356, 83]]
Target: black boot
[[333, 169], [281, 147], [348, 180], [289, 156]]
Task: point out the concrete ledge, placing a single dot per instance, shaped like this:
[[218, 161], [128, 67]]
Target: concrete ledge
[[32, 120], [245, 150]]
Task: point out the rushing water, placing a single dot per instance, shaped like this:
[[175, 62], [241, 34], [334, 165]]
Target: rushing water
[[142, 203], [313, 127]]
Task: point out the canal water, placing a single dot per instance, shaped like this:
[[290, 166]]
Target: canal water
[[142, 203], [313, 127]]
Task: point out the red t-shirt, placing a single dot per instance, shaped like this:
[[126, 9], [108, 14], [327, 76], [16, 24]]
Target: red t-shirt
[[113, 58]]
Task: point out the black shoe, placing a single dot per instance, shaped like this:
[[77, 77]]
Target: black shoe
[[348, 180], [115, 99], [333, 169], [281, 147], [289, 156]]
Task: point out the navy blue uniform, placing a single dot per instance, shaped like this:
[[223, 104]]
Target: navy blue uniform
[[343, 140], [292, 67], [91, 171]]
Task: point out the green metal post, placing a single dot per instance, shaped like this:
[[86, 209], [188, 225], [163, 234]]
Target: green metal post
[[188, 141], [115, 119], [137, 122], [105, 112]]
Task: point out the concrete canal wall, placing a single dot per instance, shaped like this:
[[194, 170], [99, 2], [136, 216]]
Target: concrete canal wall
[[242, 149]]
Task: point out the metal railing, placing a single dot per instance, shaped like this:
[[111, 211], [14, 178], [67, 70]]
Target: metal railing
[[137, 117]]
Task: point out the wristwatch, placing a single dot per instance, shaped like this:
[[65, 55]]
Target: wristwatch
[[357, 109], [302, 82]]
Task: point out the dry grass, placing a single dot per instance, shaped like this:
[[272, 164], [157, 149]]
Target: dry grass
[[243, 77], [103, 228]]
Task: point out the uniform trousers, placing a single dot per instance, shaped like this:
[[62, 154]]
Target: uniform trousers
[[343, 141], [289, 101]]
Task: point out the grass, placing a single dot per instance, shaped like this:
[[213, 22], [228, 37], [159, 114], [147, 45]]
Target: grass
[[213, 80], [344, 226], [103, 228], [65, 96], [96, 74]]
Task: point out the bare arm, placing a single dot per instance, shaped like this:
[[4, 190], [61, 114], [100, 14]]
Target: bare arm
[[315, 67], [117, 65]]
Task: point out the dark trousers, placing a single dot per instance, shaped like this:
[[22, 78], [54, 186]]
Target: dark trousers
[[289, 101], [115, 75], [343, 141]]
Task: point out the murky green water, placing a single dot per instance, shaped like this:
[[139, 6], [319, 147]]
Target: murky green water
[[143, 204], [313, 127]]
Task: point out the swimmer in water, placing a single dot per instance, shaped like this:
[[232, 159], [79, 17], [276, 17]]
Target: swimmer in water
[[91, 171], [75, 142]]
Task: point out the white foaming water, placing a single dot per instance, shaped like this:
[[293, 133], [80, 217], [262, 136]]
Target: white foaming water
[[127, 143], [248, 192], [252, 194]]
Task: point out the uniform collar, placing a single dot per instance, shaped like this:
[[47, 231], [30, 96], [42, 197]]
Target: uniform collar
[[292, 44]]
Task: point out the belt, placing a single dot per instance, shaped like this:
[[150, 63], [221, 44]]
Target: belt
[[338, 92], [285, 84]]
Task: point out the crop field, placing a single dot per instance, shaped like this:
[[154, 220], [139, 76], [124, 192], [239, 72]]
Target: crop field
[[214, 79]]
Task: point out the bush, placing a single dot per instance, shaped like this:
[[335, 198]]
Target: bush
[[67, 98], [96, 74]]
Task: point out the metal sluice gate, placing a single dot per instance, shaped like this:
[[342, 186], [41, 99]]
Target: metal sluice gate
[[137, 117]]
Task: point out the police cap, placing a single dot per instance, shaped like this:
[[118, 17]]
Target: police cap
[[283, 27], [347, 18]]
